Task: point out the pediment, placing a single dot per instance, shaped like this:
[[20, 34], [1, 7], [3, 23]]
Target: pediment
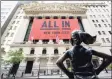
[[52, 7]]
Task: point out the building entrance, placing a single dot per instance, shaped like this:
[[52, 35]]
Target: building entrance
[[29, 67]]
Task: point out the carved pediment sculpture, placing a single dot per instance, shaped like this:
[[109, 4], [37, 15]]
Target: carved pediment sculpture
[[52, 7]]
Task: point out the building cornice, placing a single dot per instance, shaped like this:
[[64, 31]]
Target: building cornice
[[48, 45], [36, 8]]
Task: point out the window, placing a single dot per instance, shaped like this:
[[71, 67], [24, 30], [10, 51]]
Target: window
[[45, 41], [93, 6], [96, 10], [103, 16], [56, 51], [99, 16], [54, 41], [15, 28], [71, 17], [106, 20], [88, 6], [2, 17], [44, 51], [103, 5], [10, 28], [16, 17], [4, 13], [66, 41], [3, 42], [93, 20], [104, 10], [108, 40], [32, 51], [47, 17], [110, 32], [13, 22], [94, 16], [99, 32], [103, 32], [8, 42], [99, 25], [95, 25], [12, 34], [55, 17], [109, 25], [35, 41], [108, 16], [17, 22], [96, 20], [7, 34], [102, 20], [99, 10], [105, 25], [91, 10], [63, 17], [39, 17], [5, 9], [103, 40], [107, 10], [18, 12]]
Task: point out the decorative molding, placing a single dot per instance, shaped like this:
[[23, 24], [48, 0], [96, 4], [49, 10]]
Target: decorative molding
[[36, 8], [50, 45]]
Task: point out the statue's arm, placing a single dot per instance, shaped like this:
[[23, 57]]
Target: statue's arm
[[107, 60], [62, 67]]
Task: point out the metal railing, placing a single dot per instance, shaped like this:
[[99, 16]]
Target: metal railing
[[35, 73]]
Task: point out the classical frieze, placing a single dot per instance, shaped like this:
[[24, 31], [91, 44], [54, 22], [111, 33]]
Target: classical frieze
[[35, 8]]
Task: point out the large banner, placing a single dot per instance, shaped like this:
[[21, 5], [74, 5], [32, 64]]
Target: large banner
[[51, 28]]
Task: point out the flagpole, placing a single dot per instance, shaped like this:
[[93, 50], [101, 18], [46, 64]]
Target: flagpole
[[57, 39]]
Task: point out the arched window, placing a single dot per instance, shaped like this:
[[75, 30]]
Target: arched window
[[32, 51], [44, 51], [56, 51]]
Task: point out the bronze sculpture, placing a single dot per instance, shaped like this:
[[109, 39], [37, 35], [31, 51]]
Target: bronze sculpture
[[80, 57]]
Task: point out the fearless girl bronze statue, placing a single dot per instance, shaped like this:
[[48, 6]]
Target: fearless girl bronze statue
[[81, 58]]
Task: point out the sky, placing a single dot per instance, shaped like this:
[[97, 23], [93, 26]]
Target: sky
[[8, 2]]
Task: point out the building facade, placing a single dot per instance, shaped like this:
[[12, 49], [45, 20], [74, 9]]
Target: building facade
[[42, 54], [8, 9]]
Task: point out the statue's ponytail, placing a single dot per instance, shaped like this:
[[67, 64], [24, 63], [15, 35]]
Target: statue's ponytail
[[87, 38], [78, 37]]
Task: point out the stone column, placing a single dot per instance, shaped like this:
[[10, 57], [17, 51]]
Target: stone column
[[40, 42], [50, 42], [49, 65], [61, 42], [21, 68], [35, 66]]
